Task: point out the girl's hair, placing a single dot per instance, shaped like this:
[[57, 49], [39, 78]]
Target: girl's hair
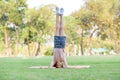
[[55, 65]]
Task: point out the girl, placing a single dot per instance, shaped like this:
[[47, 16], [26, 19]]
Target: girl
[[59, 59]]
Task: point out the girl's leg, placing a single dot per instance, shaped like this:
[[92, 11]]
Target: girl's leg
[[56, 34], [62, 33], [57, 22]]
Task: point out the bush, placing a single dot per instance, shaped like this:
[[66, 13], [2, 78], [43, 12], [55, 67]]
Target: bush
[[49, 52]]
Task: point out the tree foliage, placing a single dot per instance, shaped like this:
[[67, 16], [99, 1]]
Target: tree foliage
[[94, 25]]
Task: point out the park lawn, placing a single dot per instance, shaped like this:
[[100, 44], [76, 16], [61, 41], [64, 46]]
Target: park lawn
[[101, 68]]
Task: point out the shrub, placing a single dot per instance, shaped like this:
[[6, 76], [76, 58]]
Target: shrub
[[49, 52]]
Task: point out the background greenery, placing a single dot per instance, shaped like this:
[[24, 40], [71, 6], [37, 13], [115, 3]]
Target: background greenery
[[26, 31]]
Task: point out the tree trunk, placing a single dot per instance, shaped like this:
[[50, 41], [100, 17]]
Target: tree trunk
[[28, 49], [69, 50], [90, 40], [6, 42], [90, 44], [28, 41], [117, 47], [81, 45], [17, 42], [38, 49], [78, 49]]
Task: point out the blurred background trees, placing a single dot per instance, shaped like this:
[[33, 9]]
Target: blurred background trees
[[93, 29]]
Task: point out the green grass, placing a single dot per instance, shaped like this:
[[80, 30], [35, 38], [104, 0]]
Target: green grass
[[101, 68]]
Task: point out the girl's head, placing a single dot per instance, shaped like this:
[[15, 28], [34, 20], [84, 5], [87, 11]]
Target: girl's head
[[58, 64], [58, 58]]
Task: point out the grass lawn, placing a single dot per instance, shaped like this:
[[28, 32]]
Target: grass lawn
[[101, 68]]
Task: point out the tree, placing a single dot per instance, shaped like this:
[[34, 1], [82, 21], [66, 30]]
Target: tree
[[9, 10], [4, 11], [91, 17], [41, 20]]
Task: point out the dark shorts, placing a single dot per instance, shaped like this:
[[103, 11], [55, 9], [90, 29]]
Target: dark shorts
[[59, 41]]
